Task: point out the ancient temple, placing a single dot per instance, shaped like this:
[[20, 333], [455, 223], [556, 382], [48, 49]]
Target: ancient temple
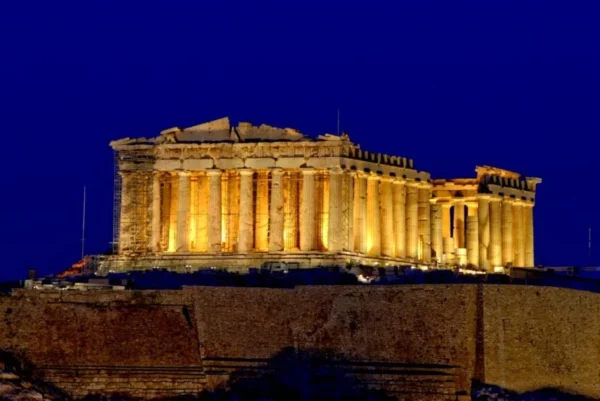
[[217, 195]]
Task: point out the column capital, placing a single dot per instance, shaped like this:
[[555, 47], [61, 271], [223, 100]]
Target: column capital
[[373, 176], [471, 204], [495, 199], [276, 171], [183, 173], [308, 170], [527, 204], [335, 170], [387, 178], [246, 171], [399, 180], [361, 174], [484, 196], [213, 172], [412, 184]]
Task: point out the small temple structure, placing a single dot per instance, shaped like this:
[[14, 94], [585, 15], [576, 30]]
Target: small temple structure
[[217, 195]]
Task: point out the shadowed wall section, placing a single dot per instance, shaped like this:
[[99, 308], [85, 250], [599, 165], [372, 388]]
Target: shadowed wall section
[[416, 342]]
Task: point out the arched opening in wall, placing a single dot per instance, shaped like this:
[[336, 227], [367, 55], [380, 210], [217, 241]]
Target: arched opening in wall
[[262, 195]]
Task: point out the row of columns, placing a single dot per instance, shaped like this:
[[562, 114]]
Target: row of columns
[[499, 231], [367, 213]]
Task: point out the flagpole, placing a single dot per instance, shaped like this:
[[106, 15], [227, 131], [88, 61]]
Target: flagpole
[[83, 226]]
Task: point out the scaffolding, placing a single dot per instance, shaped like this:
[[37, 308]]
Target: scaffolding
[[132, 213]]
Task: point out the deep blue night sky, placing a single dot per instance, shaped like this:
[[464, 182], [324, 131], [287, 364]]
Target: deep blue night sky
[[451, 86]]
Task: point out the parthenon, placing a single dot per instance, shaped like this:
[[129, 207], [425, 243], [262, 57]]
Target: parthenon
[[217, 195]]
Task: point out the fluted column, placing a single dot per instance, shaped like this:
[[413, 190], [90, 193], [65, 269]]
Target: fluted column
[[495, 232], [360, 212], [507, 232], [459, 224], [261, 234], [484, 232], [307, 210], [246, 227], [125, 212], [276, 211], [518, 234], [399, 211], [373, 216], [183, 212], [335, 231], [472, 234], [437, 241], [348, 211], [214, 210], [412, 221], [424, 213], [387, 217], [528, 229], [155, 238]]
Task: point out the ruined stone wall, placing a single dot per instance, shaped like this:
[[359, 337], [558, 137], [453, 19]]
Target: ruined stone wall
[[430, 340]]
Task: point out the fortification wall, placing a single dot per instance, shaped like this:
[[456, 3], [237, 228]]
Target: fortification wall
[[133, 342], [421, 341], [537, 337]]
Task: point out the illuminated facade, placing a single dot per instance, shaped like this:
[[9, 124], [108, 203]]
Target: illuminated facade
[[214, 195]]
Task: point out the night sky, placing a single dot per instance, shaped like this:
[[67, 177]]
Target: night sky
[[515, 86]]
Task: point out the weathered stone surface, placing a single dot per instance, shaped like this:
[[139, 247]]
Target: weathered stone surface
[[155, 343]]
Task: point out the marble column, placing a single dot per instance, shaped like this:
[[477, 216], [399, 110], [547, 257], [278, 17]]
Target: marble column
[[459, 224], [387, 217], [307, 210], [261, 234], [518, 234], [528, 237], [335, 231], [472, 234], [437, 241], [214, 210], [246, 227], [156, 219], [495, 232], [412, 221], [424, 215], [360, 209], [276, 211], [373, 216], [484, 232], [125, 212], [446, 224], [399, 211], [507, 232], [348, 211], [183, 212]]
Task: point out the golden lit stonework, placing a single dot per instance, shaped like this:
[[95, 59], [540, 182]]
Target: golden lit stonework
[[214, 195]]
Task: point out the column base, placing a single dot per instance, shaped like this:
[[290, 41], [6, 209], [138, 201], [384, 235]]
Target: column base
[[242, 262]]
